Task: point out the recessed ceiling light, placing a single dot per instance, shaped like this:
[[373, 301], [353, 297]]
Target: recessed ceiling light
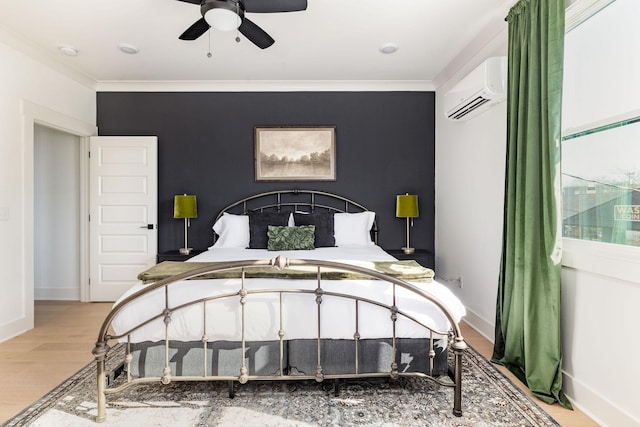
[[68, 50], [128, 48], [388, 48]]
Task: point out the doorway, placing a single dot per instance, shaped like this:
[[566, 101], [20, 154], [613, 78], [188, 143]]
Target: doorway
[[57, 214]]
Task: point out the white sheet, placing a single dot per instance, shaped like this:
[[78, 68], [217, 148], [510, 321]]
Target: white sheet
[[299, 319]]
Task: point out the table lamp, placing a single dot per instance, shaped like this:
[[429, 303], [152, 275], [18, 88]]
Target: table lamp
[[407, 207], [185, 206]]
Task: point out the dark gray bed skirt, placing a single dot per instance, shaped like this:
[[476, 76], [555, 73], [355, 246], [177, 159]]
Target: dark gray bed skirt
[[374, 355], [299, 356]]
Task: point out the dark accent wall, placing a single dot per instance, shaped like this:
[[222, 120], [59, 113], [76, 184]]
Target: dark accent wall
[[384, 144]]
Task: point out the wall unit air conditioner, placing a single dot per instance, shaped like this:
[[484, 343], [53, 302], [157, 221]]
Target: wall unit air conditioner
[[481, 89]]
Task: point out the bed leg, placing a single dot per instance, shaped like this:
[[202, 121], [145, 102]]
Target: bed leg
[[457, 398], [336, 387], [232, 392], [102, 413], [100, 354]]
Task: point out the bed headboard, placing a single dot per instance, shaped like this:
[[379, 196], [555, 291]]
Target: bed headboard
[[297, 200]]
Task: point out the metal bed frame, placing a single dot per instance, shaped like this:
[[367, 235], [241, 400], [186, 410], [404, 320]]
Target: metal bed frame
[[456, 343], [297, 200]]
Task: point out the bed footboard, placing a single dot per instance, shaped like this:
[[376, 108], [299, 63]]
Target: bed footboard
[[319, 358]]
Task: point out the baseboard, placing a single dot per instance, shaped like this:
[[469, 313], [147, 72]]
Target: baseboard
[[14, 328], [57, 294], [483, 326], [596, 406]]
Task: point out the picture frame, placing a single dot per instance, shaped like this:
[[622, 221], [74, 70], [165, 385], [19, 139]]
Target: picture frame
[[288, 153]]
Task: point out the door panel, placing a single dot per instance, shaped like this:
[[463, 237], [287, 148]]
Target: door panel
[[123, 205]]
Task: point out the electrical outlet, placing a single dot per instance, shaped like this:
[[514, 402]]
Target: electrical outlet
[[453, 282], [4, 213]]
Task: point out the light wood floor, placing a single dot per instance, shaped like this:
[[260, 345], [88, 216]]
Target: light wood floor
[[64, 336]]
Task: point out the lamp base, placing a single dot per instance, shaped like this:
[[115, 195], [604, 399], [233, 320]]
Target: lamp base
[[185, 251], [408, 250]]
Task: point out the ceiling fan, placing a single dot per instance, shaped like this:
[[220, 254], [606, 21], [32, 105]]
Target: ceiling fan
[[228, 15]]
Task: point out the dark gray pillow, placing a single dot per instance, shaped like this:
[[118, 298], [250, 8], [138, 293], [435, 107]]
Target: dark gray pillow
[[323, 221], [258, 223]]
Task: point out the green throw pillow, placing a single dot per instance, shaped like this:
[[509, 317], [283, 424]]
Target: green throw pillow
[[290, 238]]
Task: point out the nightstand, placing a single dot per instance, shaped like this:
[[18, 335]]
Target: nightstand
[[176, 255], [423, 256]]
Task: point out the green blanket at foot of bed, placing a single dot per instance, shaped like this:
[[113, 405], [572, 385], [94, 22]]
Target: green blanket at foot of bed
[[408, 270]]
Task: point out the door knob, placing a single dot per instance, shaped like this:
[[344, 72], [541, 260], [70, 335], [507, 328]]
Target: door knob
[[148, 226]]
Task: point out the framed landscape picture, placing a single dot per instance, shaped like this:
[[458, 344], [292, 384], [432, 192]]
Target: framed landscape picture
[[295, 153]]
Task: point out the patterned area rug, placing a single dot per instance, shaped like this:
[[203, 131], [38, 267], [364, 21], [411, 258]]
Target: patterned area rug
[[489, 399]]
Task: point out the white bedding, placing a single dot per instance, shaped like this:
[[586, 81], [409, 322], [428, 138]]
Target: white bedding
[[300, 310]]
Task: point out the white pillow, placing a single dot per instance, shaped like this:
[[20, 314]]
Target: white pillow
[[232, 231], [353, 228]]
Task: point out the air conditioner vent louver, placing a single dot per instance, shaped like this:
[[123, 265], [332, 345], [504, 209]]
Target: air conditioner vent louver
[[481, 89], [468, 108]]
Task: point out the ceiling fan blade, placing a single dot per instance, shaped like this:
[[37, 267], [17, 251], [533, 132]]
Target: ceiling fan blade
[[273, 6], [255, 34], [192, 1], [196, 30]]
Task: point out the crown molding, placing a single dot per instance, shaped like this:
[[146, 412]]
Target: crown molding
[[44, 57], [267, 86], [490, 40], [493, 38], [579, 11]]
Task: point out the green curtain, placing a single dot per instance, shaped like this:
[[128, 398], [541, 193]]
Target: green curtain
[[527, 337]]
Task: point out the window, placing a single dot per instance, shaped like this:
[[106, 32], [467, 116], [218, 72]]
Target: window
[[601, 122]]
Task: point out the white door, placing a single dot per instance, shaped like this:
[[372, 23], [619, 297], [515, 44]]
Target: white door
[[123, 212]]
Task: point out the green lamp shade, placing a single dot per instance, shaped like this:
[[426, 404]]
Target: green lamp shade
[[185, 206], [407, 206]]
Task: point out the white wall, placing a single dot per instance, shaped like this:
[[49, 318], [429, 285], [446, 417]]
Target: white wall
[[29, 92], [600, 344], [57, 214], [599, 309], [470, 161]]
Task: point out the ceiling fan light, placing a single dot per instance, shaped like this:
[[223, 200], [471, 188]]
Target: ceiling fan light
[[222, 19]]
